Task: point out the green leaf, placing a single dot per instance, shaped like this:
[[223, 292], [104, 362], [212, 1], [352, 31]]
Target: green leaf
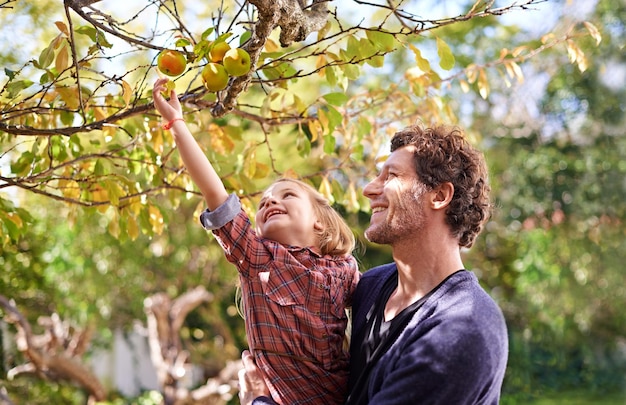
[[382, 40], [352, 50], [244, 37], [15, 87], [350, 71], [329, 144], [337, 99], [376, 61], [334, 119], [182, 42], [207, 32], [421, 62], [89, 31], [10, 73], [446, 58], [46, 57], [331, 76], [98, 169]]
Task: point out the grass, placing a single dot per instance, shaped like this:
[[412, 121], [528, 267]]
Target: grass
[[573, 398]]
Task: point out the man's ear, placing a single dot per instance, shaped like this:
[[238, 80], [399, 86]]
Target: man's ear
[[442, 195]]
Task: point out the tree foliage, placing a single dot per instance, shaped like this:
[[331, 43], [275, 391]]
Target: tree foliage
[[98, 212], [77, 129]]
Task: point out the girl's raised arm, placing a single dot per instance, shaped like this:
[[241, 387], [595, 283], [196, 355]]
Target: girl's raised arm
[[200, 169]]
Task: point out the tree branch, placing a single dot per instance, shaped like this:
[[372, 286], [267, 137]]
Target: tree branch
[[54, 354]]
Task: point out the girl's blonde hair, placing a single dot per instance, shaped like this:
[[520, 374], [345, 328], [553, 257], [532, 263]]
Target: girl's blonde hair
[[335, 237]]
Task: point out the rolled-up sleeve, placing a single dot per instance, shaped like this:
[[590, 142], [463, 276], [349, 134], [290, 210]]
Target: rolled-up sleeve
[[222, 215]]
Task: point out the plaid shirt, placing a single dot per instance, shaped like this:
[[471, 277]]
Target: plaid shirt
[[294, 303]]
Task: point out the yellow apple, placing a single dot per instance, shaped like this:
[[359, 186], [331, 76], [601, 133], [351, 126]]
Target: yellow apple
[[171, 63], [214, 77], [237, 62], [216, 54]]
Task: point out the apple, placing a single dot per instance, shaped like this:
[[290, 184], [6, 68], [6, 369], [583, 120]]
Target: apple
[[216, 54], [214, 77], [171, 63], [237, 62]]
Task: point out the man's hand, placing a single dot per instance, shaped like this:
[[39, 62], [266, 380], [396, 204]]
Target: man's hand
[[251, 384]]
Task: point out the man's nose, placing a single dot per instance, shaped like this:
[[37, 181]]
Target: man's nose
[[372, 188]]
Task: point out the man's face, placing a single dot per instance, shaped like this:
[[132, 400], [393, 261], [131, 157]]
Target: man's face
[[396, 199]]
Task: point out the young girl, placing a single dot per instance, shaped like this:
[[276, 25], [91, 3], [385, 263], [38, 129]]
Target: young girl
[[297, 274]]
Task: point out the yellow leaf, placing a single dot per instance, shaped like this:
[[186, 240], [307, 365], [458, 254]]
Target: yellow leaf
[[471, 73], [131, 227], [114, 226], [519, 50], [322, 33], [262, 171], [156, 219], [422, 63], [320, 63], [99, 195], [446, 58], [326, 190], [220, 141], [69, 95], [62, 60], [16, 219], [353, 198], [62, 27], [127, 92], [249, 164], [291, 174], [483, 84], [69, 188], [271, 46], [572, 49], [514, 71], [593, 31], [99, 113], [547, 38], [464, 86]]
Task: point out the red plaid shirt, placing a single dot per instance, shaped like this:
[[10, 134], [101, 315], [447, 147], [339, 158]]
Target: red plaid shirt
[[294, 304]]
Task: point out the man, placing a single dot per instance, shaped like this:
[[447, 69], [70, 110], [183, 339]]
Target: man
[[424, 331]]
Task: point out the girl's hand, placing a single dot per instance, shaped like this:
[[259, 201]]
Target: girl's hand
[[169, 109]]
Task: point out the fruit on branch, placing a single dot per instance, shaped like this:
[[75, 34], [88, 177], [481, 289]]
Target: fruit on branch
[[171, 63], [237, 62], [214, 76], [216, 54]]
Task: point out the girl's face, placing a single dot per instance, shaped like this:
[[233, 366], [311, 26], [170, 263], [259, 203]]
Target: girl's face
[[286, 215]]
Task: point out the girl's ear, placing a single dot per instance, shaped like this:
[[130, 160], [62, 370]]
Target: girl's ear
[[442, 196], [318, 225]]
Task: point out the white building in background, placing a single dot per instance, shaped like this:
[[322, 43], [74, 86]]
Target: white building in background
[[125, 367]]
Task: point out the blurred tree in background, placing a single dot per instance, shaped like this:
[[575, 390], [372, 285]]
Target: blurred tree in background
[[98, 213]]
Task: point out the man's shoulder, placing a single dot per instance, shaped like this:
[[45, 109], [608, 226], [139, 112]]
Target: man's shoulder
[[382, 271]]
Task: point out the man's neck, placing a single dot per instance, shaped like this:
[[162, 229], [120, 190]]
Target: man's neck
[[419, 271]]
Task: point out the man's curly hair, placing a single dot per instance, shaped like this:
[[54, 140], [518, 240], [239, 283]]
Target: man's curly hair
[[442, 154]]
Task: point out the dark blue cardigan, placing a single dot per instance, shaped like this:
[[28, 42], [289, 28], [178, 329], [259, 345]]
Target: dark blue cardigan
[[453, 351]]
